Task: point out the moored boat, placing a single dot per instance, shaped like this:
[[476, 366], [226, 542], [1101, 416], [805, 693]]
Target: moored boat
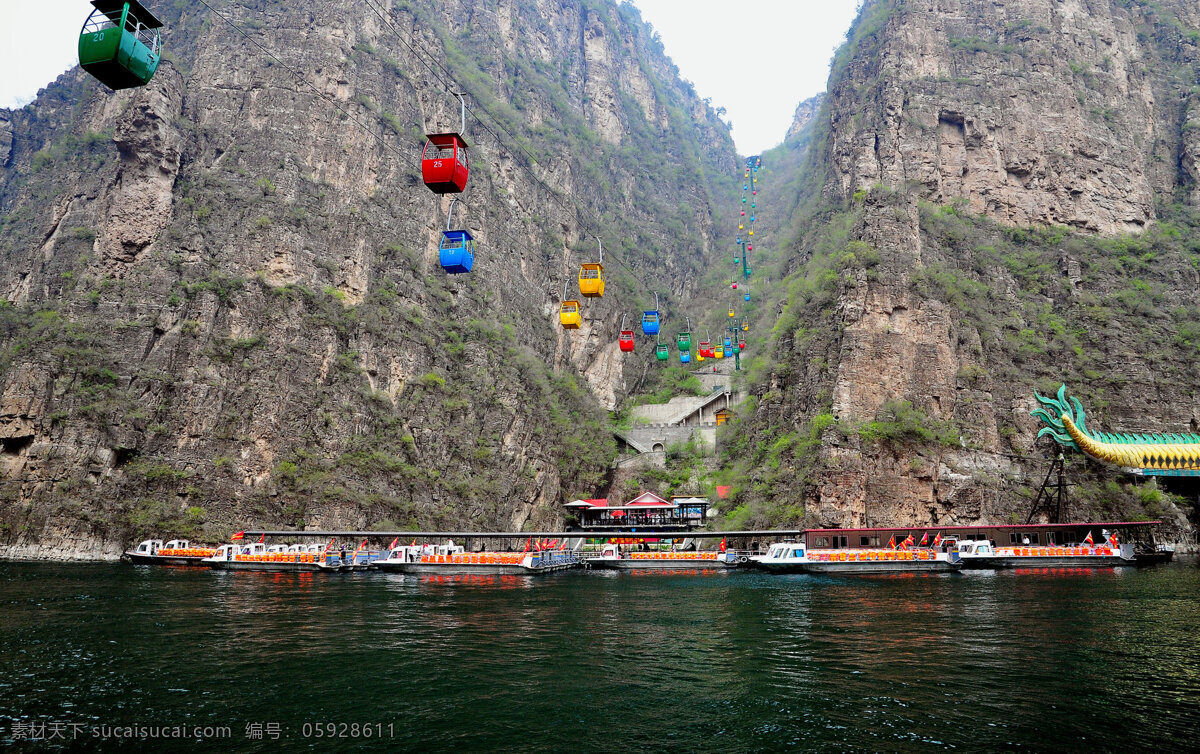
[[612, 557], [453, 559], [285, 558], [795, 557], [983, 554], [177, 552], [1153, 554]]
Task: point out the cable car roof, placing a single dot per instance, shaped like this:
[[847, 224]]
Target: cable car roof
[[113, 8], [447, 138]]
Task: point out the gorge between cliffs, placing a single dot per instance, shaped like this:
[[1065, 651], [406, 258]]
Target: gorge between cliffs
[[221, 305]]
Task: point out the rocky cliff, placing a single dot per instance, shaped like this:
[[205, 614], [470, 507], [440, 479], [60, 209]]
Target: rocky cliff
[[1047, 112], [220, 296], [996, 196]]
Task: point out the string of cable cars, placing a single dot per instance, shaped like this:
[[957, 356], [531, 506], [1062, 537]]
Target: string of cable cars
[[120, 44]]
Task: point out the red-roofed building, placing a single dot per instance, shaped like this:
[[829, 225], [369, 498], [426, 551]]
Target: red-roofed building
[[646, 510], [647, 500]]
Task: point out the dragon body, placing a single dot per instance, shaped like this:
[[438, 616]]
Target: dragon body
[[1154, 454]]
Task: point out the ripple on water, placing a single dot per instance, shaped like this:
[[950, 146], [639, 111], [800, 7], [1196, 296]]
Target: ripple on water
[[738, 661]]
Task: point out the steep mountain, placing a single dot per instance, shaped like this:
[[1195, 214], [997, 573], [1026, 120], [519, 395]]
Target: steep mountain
[[995, 196], [220, 297]]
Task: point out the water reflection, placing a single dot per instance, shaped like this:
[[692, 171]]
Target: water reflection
[[1051, 658]]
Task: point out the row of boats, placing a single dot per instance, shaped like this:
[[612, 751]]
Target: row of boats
[[782, 557]]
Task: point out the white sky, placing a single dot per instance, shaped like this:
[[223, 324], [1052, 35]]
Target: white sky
[[756, 58], [38, 42]]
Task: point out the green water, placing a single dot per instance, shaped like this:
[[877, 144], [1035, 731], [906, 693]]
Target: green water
[[604, 662]]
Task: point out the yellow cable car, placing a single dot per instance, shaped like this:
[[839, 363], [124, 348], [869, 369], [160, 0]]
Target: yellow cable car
[[568, 315], [732, 313], [591, 276], [591, 280]]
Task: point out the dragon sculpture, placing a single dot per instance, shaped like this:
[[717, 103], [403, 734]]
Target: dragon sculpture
[[1150, 454]]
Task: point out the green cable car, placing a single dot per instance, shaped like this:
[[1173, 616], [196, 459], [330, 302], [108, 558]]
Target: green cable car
[[684, 340], [662, 352], [119, 44]]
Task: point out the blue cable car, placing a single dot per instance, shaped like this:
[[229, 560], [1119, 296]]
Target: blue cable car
[[728, 342], [457, 251], [685, 357], [650, 322], [651, 319], [747, 295]]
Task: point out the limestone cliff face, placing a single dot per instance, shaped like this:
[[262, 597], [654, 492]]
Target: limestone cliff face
[[1065, 112], [805, 112], [933, 286], [220, 298]]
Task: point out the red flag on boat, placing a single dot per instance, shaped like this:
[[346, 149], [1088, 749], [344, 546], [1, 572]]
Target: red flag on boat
[[563, 546], [1113, 541], [722, 547], [363, 546], [909, 541], [528, 545], [329, 546], [238, 537], [395, 542], [938, 539], [262, 538], [1088, 539], [892, 542], [924, 539], [414, 543]]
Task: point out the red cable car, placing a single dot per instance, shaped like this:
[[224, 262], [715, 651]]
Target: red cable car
[[626, 338], [444, 165]]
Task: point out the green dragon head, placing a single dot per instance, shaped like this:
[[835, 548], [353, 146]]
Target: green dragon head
[[1052, 413]]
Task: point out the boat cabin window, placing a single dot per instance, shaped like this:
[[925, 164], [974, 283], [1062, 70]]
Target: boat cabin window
[[1051, 537], [1023, 538], [798, 553], [868, 541], [820, 542]]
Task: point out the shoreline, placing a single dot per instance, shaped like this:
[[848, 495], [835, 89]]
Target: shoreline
[[33, 553]]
